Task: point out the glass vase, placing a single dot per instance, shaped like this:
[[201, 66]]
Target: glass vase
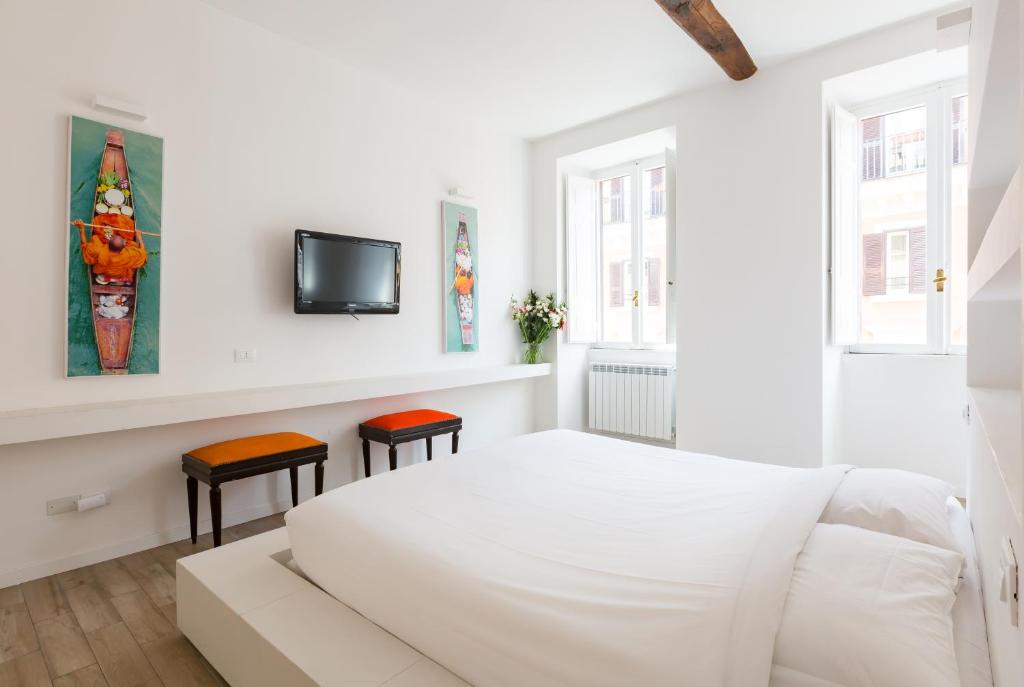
[[532, 353]]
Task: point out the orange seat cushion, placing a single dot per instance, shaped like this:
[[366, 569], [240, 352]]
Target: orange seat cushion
[[253, 447], [410, 418]]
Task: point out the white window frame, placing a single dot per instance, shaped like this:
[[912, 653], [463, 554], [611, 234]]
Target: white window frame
[[634, 170], [939, 137]]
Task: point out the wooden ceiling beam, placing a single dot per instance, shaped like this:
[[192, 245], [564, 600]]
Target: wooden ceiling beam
[[701, 20]]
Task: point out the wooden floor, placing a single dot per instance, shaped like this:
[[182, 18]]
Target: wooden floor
[[113, 623]]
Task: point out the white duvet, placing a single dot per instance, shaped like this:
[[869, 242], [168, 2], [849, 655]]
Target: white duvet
[[559, 558]]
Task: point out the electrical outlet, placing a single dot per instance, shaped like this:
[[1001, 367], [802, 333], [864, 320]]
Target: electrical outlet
[[245, 355], [67, 504]]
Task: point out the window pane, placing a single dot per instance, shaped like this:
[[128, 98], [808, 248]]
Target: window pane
[[893, 217], [960, 130], [897, 267], [615, 200], [655, 276], [616, 254], [654, 192], [904, 141], [956, 287]]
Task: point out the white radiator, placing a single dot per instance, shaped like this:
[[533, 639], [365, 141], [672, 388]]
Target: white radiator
[[636, 400]]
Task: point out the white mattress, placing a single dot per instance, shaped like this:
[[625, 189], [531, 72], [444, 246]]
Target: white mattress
[[594, 561], [969, 634]]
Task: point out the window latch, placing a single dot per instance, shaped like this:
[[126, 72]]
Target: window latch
[[636, 298], [940, 280]]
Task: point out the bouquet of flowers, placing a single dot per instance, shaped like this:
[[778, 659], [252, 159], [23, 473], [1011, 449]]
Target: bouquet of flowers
[[537, 317]]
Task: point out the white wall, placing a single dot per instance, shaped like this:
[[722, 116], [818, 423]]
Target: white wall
[[906, 412], [262, 136], [752, 359]]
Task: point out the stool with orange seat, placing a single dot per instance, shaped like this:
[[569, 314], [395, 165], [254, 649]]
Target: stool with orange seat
[[245, 457], [399, 428]]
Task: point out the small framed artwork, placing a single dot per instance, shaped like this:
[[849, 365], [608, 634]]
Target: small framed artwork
[[461, 278], [115, 188]]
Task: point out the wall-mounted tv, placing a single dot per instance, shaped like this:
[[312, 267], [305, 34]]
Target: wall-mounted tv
[[345, 274]]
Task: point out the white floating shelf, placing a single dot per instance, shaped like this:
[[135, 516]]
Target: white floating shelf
[[18, 426], [995, 272], [999, 412]]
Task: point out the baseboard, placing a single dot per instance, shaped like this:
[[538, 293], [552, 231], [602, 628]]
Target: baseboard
[[663, 443], [106, 553]]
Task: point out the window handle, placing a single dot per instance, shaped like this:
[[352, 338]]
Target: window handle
[[636, 298], [940, 280]]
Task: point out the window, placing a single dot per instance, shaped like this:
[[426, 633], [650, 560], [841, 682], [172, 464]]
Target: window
[[654, 186], [616, 250], [898, 219], [652, 268], [897, 262], [627, 236], [959, 106], [615, 200]]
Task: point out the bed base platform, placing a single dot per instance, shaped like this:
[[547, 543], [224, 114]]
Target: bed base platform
[[259, 622]]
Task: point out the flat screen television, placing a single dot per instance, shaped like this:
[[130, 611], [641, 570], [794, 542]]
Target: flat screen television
[[345, 274]]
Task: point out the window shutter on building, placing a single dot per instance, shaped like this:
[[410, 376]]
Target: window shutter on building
[[873, 250], [872, 148], [582, 269], [918, 260]]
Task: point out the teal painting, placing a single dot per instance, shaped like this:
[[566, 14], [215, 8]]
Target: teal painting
[[115, 188], [461, 279]]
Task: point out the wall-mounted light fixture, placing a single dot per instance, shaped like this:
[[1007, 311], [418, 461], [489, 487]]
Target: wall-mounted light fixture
[[121, 107], [459, 192]]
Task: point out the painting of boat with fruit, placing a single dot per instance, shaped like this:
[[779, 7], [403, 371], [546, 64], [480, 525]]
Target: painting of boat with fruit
[[462, 279], [114, 230]]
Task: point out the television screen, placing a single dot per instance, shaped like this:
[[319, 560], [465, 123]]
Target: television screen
[[345, 274]]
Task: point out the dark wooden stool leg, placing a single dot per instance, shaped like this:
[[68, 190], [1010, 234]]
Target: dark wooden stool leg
[[319, 475], [293, 472], [455, 442], [393, 456], [192, 484], [430, 448], [215, 513], [366, 457]]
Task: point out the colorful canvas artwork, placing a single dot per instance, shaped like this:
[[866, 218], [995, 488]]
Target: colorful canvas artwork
[[461, 279], [115, 187]]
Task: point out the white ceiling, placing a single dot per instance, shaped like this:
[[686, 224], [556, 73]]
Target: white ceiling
[[538, 66]]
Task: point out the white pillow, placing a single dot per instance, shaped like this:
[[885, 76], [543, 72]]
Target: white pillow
[[868, 610], [904, 504]]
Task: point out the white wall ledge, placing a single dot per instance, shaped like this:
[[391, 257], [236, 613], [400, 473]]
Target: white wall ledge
[[995, 272], [37, 424]]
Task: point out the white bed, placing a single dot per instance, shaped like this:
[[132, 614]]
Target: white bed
[[533, 605], [564, 558]]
